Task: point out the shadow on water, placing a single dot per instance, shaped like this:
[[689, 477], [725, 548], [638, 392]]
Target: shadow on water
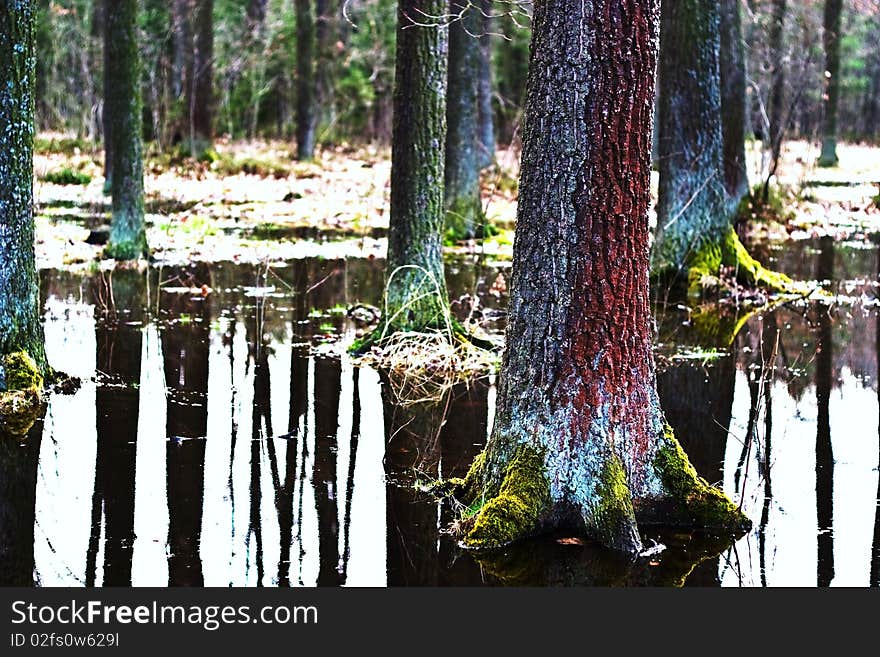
[[224, 451]]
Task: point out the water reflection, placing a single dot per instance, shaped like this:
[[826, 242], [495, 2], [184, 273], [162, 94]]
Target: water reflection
[[285, 469]]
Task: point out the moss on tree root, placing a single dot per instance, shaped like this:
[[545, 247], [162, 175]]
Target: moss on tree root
[[706, 264], [695, 503], [516, 510], [21, 402]]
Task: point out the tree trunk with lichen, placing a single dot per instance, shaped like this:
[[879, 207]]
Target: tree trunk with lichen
[[306, 116], [831, 41], [464, 208], [22, 351], [415, 294], [733, 100], [579, 439], [128, 238], [695, 236]]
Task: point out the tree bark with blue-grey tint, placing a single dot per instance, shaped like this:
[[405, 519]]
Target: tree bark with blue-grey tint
[[128, 237], [485, 105], [20, 328]]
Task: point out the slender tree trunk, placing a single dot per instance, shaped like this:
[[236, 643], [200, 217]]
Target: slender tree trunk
[[831, 41], [464, 208], [416, 296], [694, 212], [128, 239], [579, 439], [306, 116], [200, 104], [20, 328], [101, 9], [733, 100], [824, 451], [486, 110], [326, 35], [777, 89]]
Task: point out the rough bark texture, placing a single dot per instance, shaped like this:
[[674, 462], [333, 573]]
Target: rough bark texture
[[464, 208], [486, 111], [831, 40], [733, 100], [20, 328], [128, 239], [694, 211], [416, 295], [579, 437], [306, 116]]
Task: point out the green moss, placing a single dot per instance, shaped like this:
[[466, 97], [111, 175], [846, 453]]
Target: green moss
[[705, 266], [125, 251], [67, 176], [20, 404], [695, 502], [614, 513], [515, 512], [770, 204]]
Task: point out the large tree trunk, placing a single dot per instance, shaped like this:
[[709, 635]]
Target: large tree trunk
[[484, 102], [128, 239], [200, 96], [579, 439], [733, 100], [20, 328], [831, 40], [464, 208], [416, 296], [694, 212], [306, 116]]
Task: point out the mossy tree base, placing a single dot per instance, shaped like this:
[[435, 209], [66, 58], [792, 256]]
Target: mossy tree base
[[21, 396]]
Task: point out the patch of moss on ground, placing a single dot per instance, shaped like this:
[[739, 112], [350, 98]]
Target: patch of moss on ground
[[515, 512], [696, 502], [66, 176]]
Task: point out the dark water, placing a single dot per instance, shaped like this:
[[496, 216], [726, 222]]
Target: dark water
[[210, 445]]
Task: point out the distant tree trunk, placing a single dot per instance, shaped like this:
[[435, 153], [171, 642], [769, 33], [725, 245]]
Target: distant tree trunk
[[486, 110], [128, 239], [694, 212], [101, 9], [464, 208], [777, 89], [416, 296], [733, 100], [182, 68], [326, 35], [20, 328], [200, 96], [306, 116], [579, 439], [831, 40]]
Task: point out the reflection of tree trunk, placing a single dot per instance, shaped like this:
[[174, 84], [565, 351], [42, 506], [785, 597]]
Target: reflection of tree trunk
[[328, 375], [18, 497], [352, 461], [261, 433], [185, 347], [412, 448], [769, 336], [824, 455], [118, 299], [875, 545]]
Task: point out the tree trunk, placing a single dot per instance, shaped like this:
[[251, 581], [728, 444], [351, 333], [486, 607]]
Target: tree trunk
[[464, 208], [326, 35], [128, 239], [306, 116], [200, 103], [101, 9], [416, 297], [831, 41], [733, 100], [486, 111], [824, 451], [694, 212], [777, 89], [20, 328], [579, 439]]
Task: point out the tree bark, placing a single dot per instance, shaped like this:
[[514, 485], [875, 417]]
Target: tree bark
[[306, 116], [464, 207], [20, 328], [777, 89], [416, 297], [128, 239], [486, 111], [695, 233], [733, 100], [200, 103], [579, 439], [831, 41]]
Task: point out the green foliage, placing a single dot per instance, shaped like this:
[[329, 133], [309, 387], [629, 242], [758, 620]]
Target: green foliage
[[67, 176]]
